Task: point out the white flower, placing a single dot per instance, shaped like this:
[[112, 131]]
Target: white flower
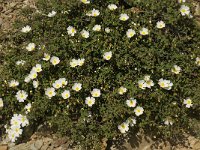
[[24, 121], [166, 84], [50, 92], [35, 84], [77, 87], [188, 102], [96, 28], [85, 1], [20, 62], [63, 81], [26, 29], [124, 127], [46, 57], [30, 47], [66, 94], [149, 83], [131, 121], [122, 90], [15, 120], [52, 13], [131, 102], [12, 136], [123, 17], [107, 30], [57, 84], [33, 74], [27, 79], [80, 62], [37, 68], [71, 31], [138, 111], [21, 96], [176, 69], [85, 34], [168, 121], [28, 107], [112, 6], [17, 130], [197, 61], [144, 31], [142, 84], [96, 93], [73, 63], [90, 101], [107, 55], [95, 12], [13, 83], [185, 10], [181, 1], [1, 102], [147, 77], [55, 60], [130, 33], [160, 24]]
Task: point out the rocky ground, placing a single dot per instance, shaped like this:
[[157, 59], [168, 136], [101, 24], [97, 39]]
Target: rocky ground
[[9, 12]]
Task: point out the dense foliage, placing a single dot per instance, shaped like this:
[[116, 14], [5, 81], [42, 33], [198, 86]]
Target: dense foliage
[[92, 70]]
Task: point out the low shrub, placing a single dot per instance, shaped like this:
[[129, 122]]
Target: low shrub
[[102, 69]]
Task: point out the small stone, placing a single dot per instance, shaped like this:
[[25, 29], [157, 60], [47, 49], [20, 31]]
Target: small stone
[[60, 141], [3, 147], [38, 144]]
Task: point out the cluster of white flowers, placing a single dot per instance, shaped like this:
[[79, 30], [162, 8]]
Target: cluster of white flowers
[[33, 73], [17, 122], [77, 62], [176, 69], [146, 83], [60, 83], [91, 100], [124, 127], [165, 84], [188, 102]]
